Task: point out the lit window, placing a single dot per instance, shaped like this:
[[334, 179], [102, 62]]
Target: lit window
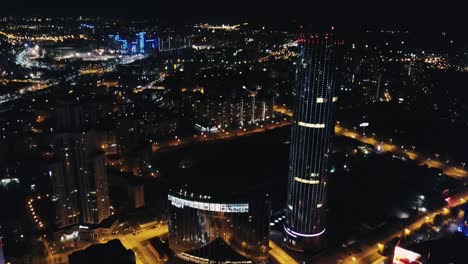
[[311, 125], [306, 181]]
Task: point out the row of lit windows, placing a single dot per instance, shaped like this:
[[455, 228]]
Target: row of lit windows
[[324, 100], [213, 207], [304, 124], [306, 181], [199, 260]]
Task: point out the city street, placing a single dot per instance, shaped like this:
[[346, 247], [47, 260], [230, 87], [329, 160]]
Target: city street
[[369, 254], [280, 255], [134, 242], [205, 137], [129, 241], [447, 168]]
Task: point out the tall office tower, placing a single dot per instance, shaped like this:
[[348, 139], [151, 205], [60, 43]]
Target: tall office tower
[[142, 41], [78, 174], [64, 194], [92, 182], [311, 132]]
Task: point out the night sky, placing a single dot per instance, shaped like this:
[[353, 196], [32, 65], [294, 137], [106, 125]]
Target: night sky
[[419, 14]]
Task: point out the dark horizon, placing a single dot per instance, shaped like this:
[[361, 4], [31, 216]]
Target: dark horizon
[[363, 14]]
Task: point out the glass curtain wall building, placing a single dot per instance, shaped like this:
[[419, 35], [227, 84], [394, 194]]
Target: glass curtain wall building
[[197, 220], [312, 129]]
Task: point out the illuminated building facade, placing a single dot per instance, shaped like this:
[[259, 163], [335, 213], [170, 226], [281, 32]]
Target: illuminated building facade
[[64, 196], [77, 172], [217, 251], [311, 132], [215, 113], [197, 220], [79, 180], [134, 46], [141, 41]]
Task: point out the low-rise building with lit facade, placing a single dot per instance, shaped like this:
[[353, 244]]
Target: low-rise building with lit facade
[[196, 220]]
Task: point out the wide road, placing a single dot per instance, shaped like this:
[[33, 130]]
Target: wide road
[[369, 254], [129, 241], [140, 258], [144, 255], [449, 170], [279, 255], [226, 135]]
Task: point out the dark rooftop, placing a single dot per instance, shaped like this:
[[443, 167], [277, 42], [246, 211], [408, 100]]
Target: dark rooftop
[[112, 252]]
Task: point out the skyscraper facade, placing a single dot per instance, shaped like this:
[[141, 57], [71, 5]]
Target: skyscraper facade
[[312, 129], [78, 173], [142, 41]]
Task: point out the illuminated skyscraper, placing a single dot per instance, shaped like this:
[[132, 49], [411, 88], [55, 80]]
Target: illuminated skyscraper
[[78, 173], [142, 41], [312, 129], [133, 46]]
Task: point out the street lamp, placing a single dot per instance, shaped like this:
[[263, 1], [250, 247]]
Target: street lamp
[[407, 231], [381, 246]]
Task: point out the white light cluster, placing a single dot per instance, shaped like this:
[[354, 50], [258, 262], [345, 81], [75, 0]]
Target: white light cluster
[[213, 207], [303, 124], [306, 181]]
